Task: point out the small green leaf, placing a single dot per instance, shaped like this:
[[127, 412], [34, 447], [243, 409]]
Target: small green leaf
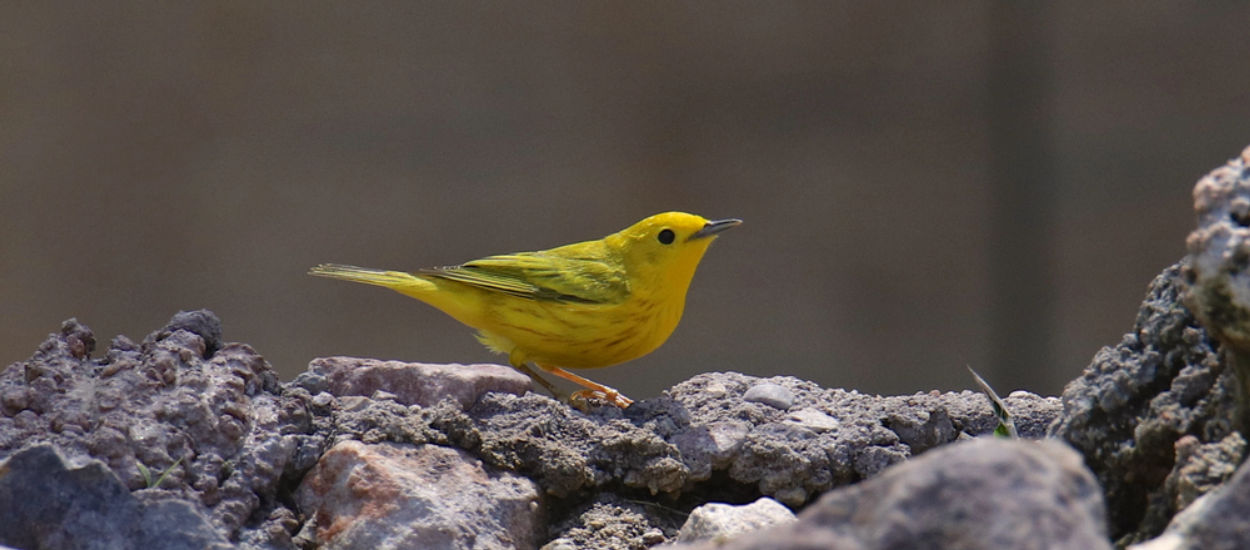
[[1006, 425], [165, 474], [147, 474]]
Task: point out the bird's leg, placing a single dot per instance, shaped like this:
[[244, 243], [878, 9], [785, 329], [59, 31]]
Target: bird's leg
[[594, 389], [519, 363], [541, 381]]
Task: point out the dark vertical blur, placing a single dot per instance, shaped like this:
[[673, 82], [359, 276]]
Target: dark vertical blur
[[1022, 211]]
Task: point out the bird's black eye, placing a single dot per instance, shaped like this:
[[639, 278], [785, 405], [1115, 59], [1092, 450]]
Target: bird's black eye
[[666, 236]]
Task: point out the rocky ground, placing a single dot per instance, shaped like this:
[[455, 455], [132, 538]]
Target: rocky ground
[[184, 440]]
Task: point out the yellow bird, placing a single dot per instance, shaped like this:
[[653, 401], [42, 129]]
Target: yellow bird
[[584, 305]]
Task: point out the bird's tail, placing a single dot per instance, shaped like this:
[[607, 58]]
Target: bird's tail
[[404, 283]]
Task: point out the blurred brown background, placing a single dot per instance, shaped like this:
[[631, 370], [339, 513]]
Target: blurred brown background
[[925, 185]]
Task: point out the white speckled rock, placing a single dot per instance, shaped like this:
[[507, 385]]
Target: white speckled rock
[[720, 522]]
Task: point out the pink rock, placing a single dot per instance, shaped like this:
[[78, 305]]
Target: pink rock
[[390, 495]]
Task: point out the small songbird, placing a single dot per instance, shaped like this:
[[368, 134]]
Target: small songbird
[[584, 305]]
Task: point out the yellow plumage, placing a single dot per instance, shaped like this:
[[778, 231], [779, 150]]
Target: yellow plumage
[[584, 305]]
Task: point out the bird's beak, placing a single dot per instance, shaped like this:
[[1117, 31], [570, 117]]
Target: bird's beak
[[713, 227]]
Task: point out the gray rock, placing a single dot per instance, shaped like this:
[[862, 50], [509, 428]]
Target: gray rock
[[377, 421], [703, 431], [411, 383], [208, 416], [201, 322], [1216, 521], [981, 494], [230, 441], [832, 438], [719, 522], [1202, 467], [274, 532], [610, 522], [1155, 415], [390, 496], [704, 425], [562, 449], [1136, 400], [45, 503], [1216, 270]]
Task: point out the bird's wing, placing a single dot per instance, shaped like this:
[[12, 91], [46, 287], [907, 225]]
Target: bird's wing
[[542, 276]]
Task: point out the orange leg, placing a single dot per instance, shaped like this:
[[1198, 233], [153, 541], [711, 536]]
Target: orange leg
[[593, 389]]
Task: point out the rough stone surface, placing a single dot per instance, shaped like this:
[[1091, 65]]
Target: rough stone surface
[[1217, 270], [209, 414], [611, 522], [1216, 273], [982, 494], [233, 443], [704, 426], [1216, 521], [1134, 403], [1201, 468], [702, 441], [46, 503], [719, 522], [1218, 264], [410, 383], [384, 496]]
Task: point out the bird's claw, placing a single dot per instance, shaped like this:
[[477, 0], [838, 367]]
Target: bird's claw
[[582, 398]]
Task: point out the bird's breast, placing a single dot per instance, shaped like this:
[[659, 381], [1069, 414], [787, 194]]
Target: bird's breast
[[591, 336]]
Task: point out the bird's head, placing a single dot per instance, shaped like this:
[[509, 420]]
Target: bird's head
[[666, 248]]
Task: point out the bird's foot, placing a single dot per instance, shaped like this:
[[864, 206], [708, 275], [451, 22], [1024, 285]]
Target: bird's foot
[[594, 389], [582, 398]]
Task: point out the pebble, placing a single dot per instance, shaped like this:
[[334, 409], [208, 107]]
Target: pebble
[[773, 395], [322, 400], [718, 522], [653, 537], [814, 420]]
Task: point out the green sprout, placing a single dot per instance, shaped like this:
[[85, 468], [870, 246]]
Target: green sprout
[[1006, 425], [147, 474]]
